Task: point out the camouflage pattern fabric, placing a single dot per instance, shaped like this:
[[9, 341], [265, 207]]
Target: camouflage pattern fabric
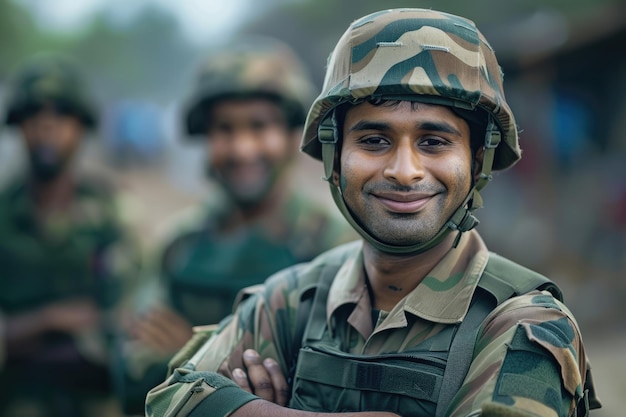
[[82, 253], [529, 356]]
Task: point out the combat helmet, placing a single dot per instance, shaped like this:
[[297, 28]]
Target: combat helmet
[[256, 66], [416, 55], [49, 79]]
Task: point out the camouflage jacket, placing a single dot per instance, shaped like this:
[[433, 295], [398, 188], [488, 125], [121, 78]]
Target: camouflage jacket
[[505, 370], [85, 252]]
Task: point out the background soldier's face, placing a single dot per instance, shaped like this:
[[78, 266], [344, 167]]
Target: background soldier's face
[[249, 147], [51, 139], [405, 168]]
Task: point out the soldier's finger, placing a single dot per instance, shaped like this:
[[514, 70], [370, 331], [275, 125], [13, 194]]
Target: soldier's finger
[[279, 382], [152, 335], [258, 376], [240, 377]]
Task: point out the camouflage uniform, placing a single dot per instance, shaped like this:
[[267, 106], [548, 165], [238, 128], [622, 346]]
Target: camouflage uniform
[[526, 357], [524, 338], [82, 253]]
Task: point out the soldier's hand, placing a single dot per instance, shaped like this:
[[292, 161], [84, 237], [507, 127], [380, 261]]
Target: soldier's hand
[[71, 316], [161, 329], [263, 378]]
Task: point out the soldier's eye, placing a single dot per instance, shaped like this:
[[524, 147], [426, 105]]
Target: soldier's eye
[[373, 140]]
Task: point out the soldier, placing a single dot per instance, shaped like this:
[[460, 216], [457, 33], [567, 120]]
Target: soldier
[[248, 106], [420, 318], [65, 255]]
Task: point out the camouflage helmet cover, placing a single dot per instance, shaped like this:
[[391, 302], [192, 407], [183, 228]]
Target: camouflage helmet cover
[[251, 66], [49, 79], [420, 55]]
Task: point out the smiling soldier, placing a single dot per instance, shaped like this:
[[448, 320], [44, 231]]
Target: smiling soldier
[[420, 318]]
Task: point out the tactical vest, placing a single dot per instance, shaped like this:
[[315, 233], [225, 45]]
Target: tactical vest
[[204, 274], [416, 381]]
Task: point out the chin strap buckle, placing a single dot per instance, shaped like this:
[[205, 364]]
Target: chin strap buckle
[[466, 223]]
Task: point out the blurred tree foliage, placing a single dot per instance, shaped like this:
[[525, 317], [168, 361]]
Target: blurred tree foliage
[[146, 56], [18, 36]]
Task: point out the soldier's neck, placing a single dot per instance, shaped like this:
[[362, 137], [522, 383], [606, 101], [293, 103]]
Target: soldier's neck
[[264, 212], [53, 195], [392, 276]]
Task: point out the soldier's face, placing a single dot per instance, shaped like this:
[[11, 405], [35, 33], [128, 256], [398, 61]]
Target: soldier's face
[[249, 147], [404, 168], [51, 140]]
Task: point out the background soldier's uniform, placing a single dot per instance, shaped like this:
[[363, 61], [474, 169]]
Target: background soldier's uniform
[[526, 340], [83, 252]]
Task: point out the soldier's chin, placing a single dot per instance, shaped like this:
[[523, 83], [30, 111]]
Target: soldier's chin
[[249, 196]]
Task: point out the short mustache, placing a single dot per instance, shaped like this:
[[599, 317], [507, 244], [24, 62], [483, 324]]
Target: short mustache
[[398, 188]]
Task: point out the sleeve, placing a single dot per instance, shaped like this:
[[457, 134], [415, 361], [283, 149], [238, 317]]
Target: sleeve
[[529, 361], [261, 322]]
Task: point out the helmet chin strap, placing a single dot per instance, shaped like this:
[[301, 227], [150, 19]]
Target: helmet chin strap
[[462, 220]]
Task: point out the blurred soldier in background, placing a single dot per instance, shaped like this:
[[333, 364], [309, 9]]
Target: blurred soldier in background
[[248, 104], [65, 257]]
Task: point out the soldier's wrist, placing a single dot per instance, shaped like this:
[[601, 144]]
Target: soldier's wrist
[[226, 398]]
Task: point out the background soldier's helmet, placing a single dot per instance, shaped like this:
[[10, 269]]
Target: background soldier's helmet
[[416, 55], [255, 67], [419, 55], [49, 80]]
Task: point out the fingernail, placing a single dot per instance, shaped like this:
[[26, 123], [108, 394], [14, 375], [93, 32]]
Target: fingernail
[[250, 354], [269, 362], [238, 373]]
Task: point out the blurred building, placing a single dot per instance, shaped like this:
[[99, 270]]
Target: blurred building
[[566, 82]]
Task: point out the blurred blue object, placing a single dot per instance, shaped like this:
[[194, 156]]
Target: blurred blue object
[[134, 132]]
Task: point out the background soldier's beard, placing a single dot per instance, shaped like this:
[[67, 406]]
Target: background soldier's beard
[[46, 162], [246, 193]]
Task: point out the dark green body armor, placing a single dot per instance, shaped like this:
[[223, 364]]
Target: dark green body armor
[[205, 274], [415, 382]]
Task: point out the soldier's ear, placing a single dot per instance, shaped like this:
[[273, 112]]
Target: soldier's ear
[[336, 165], [335, 178], [295, 137], [478, 163]]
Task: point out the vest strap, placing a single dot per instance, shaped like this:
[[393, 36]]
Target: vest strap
[[462, 350]]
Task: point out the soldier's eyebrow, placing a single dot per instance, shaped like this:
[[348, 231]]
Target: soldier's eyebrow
[[369, 125], [382, 126], [438, 127]]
